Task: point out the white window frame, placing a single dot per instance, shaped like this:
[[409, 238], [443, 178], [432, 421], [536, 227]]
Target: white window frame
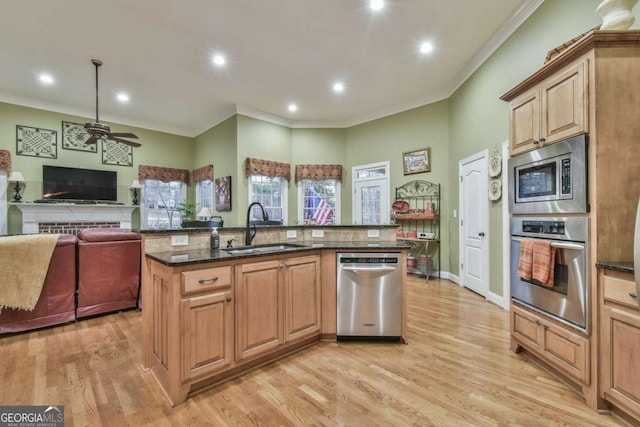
[[144, 214], [284, 189], [4, 196], [199, 191], [336, 209]]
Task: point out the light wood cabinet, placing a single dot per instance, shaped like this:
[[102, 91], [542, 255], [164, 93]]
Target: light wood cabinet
[[620, 342], [277, 302], [565, 349], [555, 109], [207, 342]]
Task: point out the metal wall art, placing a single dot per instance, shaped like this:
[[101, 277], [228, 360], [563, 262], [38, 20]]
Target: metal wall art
[[36, 142], [114, 153], [74, 137]]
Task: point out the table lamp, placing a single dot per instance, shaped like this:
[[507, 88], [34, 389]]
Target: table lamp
[[135, 185], [17, 178]]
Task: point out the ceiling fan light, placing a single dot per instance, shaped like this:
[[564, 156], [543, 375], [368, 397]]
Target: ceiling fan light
[[376, 4], [219, 60], [123, 97]]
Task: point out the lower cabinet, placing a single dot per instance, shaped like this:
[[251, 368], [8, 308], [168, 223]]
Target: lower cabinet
[[207, 343], [277, 302], [557, 345], [620, 343]]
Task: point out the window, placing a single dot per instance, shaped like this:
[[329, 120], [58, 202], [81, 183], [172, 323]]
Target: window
[[159, 203], [272, 195], [319, 202], [204, 195]]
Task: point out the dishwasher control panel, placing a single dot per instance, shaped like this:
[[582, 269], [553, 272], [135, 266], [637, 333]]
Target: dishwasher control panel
[[368, 260]]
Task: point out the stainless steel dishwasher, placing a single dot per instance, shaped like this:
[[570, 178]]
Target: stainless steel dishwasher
[[369, 296]]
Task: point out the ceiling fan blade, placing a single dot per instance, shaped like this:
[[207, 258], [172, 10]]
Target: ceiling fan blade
[[123, 134], [124, 141], [91, 140]]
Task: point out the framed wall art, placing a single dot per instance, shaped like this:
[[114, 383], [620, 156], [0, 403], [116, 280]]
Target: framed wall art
[[223, 194], [416, 161], [74, 137], [36, 142], [114, 153]]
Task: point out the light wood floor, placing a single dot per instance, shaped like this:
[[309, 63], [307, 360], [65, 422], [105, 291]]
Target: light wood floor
[[456, 371]]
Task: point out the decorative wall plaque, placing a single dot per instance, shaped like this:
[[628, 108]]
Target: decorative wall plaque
[[114, 153], [74, 137], [36, 142]]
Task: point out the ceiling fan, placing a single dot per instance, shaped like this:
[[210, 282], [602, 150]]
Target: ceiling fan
[[99, 130]]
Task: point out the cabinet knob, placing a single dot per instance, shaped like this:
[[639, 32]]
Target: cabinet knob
[[542, 140], [633, 295], [535, 141], [287, 265], [229, 299], [280, 266]]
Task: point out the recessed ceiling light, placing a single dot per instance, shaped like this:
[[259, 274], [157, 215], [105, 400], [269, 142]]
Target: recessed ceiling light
[[376, 4], [426, 47], [46, 79], [293, 107], [123, 97], [338, 87], [219, 60]]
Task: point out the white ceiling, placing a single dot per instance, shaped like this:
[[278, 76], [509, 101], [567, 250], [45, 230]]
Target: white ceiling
[[278, 51]]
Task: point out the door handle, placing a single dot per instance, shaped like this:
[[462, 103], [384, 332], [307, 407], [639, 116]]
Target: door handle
[[481, 234]]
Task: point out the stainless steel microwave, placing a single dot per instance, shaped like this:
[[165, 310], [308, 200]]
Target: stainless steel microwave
[[551, 179]]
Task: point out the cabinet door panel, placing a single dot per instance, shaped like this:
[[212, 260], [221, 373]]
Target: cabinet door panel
[[524, 326], [303, 297], [258, 317], [207, 334], [564, 104], [525, 122]]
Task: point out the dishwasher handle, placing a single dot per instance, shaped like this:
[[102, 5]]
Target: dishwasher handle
[[369, 269]]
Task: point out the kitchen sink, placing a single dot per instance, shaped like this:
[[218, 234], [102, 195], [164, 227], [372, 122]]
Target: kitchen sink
[[262, 249]]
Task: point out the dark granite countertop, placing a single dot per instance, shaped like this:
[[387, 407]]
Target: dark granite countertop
[[624, 267], [199, 256], [270, 227]]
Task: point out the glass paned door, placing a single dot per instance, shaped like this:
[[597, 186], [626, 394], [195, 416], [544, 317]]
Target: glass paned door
[[371, 194]]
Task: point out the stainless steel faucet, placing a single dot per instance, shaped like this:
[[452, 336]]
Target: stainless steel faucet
[[250, 234]]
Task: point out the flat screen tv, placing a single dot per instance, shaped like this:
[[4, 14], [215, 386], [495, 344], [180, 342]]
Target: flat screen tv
[[60, 183]]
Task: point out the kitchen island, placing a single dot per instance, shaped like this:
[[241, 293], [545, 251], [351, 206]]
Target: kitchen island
[[211, 315]]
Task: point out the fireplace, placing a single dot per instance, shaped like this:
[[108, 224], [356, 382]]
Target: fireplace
[[67, 218]]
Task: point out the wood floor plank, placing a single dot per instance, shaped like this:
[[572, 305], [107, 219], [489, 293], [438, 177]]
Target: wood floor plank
[[457, 370]]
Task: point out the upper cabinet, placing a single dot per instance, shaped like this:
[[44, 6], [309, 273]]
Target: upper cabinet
[[555, 109]]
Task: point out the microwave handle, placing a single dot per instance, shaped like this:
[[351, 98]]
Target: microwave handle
[[636, 253], [559, 245]]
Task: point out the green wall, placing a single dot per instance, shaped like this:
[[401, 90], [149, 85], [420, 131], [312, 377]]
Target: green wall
[[387, 138], [218, 146], [480, 120], [158, 149]]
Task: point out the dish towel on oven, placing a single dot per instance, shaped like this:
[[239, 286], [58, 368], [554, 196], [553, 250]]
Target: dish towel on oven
[[537, 261]]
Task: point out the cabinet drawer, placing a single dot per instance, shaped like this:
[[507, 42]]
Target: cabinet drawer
[[620, 291], [557, 345], [206, 279]]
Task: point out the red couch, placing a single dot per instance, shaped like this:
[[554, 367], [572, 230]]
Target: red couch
[[108, 270], [57, 303]]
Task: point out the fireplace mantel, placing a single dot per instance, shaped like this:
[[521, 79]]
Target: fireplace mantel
[[35, 213]]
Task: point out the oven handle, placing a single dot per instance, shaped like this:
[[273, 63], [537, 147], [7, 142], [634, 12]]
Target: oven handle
[[558, 245]]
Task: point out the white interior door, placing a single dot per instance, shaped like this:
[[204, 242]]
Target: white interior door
[[474, 224], [371, 203]]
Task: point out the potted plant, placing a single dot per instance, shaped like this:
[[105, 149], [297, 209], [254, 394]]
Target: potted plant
[[187, 210]]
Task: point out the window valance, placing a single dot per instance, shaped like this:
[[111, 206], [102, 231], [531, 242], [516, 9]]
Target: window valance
[[203, 173], [163, 174], [318, 172], [267, 168], [5, 160]]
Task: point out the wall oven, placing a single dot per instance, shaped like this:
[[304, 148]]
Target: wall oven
[[568, 299], [551, 179]]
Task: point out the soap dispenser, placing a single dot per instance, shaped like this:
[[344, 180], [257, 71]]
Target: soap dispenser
[[215, 239]]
